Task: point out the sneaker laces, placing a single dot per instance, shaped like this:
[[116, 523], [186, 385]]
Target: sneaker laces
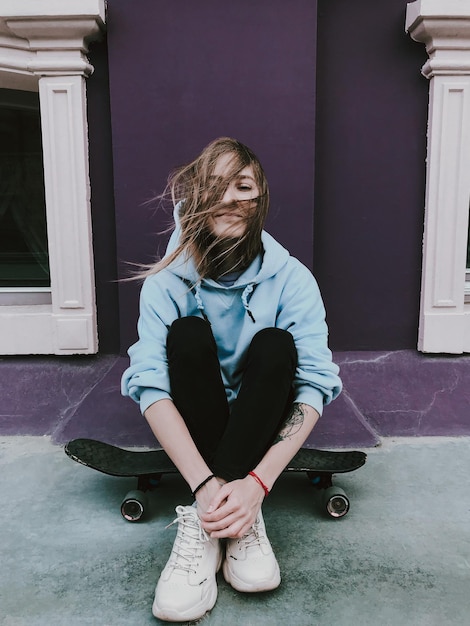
[[255, 537], [188, 545]]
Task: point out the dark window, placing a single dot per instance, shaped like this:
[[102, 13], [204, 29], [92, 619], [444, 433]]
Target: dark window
[[24, 260]]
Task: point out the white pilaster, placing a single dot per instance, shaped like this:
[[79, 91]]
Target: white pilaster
[[444, 26], [65, 146]]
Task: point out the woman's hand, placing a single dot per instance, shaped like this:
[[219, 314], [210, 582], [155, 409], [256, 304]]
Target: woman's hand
[[233, 509]]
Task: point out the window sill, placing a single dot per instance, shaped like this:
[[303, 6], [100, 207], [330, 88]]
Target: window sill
[[35, 329]]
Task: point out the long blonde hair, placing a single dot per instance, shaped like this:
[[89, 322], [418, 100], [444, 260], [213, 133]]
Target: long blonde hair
[[199, 194]]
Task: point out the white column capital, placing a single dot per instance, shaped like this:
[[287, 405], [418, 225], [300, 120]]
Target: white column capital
[[444, 27], [55, 34]]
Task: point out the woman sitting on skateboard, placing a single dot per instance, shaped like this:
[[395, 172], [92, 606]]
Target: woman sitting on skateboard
[[231, 370]]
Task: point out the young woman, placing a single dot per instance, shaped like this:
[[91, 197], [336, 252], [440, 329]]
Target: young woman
[[231, 370]]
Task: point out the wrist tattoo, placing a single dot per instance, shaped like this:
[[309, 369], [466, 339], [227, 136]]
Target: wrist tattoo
[[293, 423]]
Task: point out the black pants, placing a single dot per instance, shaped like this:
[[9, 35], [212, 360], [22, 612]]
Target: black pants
[[231, 442]]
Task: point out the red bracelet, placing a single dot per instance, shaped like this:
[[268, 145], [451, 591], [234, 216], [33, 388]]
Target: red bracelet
[[258, 480]]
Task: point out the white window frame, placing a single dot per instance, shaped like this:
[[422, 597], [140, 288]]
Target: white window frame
[[444, 26], [43, 48]]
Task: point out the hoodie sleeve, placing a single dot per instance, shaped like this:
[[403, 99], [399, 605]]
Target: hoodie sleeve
[[302, 313], [146, 380]]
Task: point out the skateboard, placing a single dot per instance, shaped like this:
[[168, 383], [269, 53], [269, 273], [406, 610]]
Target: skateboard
[[149, 467]]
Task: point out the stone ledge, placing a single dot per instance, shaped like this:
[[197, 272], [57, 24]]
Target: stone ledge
[[385, 394]]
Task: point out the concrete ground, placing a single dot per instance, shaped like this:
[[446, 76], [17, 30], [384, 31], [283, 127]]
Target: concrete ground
[[400, 557]]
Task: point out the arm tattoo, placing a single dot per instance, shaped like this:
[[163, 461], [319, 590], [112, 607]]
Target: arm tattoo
[[293, 423]]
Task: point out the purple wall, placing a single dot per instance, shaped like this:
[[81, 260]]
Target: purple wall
[[370, 166], [183, 73], [102, 201]]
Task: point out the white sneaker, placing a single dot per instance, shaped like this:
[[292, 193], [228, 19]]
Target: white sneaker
[[250, 564], [187, 588]]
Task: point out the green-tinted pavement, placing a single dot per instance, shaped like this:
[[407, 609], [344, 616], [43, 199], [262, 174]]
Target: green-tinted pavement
[[400, 557]]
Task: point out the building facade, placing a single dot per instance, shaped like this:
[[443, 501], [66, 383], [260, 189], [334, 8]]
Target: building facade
[[360, 114]]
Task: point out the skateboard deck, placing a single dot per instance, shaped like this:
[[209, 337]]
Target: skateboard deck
[[149, 467]]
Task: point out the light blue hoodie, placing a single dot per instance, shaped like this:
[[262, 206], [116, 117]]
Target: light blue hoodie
[[276, 290]]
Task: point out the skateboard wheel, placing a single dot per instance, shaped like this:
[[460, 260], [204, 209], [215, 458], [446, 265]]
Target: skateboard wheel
[[133, 506], [336, 502]]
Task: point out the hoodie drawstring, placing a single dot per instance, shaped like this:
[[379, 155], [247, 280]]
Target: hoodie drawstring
[[199, 302], [195, 289], [246, 293]]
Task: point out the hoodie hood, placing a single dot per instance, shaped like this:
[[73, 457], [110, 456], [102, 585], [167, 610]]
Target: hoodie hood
[[274, 257]]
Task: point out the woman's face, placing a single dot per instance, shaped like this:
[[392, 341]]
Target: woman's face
[[229, 218]]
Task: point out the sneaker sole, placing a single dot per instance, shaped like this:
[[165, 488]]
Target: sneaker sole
[[172, 615], [241, 585], [195, 612]]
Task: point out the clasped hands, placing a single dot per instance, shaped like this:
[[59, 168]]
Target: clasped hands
[[229, 510]]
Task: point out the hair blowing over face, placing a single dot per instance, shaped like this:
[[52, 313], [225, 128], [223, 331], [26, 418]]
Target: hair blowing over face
[[200, 195]]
